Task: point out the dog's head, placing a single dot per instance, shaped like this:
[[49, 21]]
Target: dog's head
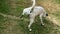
[[26, 11]]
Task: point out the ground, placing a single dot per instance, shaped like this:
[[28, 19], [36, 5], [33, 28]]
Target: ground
[[11, 10]]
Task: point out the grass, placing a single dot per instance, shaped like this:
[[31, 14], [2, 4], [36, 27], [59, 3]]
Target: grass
[[57, 14], [13, 26], [4, 7], [1, 24], [57, 1]]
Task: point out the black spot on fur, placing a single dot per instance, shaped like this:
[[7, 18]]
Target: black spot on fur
[[46, 14]]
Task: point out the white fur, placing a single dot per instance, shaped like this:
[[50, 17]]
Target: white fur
[[27, 10], [38, 10]]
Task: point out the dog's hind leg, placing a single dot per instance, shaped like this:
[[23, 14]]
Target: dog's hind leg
[[41, 16]]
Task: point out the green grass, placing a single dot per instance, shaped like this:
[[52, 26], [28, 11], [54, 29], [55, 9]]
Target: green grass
[[37, 28], [57, 1], [13, 26], [4, 7], [2, 20]]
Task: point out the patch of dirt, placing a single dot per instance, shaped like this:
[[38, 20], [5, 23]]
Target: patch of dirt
[[9, 16], [53, 19]]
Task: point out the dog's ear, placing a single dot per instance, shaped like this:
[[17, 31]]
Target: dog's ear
[[46, 14]]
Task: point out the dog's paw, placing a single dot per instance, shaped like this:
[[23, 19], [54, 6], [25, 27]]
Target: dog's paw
[[30, 30], [42, 24]]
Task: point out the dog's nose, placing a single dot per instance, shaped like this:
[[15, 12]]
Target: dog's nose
[[46, 14]]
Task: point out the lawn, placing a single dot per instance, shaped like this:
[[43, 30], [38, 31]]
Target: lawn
[[19, 26]]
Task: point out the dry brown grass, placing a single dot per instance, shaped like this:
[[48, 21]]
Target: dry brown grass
[[49, 5], [51, 8]]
